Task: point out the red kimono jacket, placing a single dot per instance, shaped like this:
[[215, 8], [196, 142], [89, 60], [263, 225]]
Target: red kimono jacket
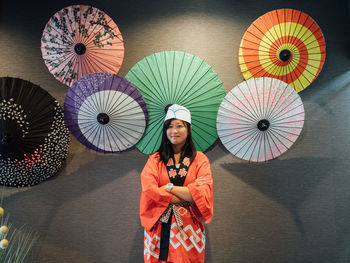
[[186, 245]]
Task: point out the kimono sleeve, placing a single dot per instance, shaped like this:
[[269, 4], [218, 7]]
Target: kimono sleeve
[[154, 201], [202, 190]]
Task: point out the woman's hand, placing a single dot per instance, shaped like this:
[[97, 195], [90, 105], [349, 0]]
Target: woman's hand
[[176, 199], [181, 192]]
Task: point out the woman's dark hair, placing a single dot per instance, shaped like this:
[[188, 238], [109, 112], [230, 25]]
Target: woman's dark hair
[[166, 150]]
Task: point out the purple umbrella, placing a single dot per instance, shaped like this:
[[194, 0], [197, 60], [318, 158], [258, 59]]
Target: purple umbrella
[[105, 112]]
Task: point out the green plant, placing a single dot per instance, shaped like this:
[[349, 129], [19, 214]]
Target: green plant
[[15, 244]]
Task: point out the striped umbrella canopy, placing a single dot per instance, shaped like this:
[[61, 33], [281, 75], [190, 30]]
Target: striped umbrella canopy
[[260, 119], [285, 44], [79, 40], [173, 77]]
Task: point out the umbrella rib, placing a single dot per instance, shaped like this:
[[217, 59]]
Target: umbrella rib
[[278, 114], [180, 74], [269, 138], [252, 141], [160, 90], [148, 131], [115, 104], [263, 33], [60, 34], [121, 128], [182, 87], [247, 117], [91, 24], [238, 130], [258, 141], [281, 142], [253, 113], [275, 102], [258, 97], [278, 131], [196, 93], [126, 128], [296, 114], [268, 61], [269, 105], [153, 96], [186, 87], [167, 77], [244, 134], [295, 27], [161, 76], [274, 27], [308, 29], [70, 26], [91, 95], [116, 136], [281, 102], [260, 40], [109, 137], [127, 108], [266, 105], [246, 137], [303, 75], [100, 28], [300, 28]]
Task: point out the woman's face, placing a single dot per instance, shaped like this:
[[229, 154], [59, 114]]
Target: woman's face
[[177, 132]]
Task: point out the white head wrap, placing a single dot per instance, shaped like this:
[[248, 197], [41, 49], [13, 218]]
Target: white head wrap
[[178, 112]]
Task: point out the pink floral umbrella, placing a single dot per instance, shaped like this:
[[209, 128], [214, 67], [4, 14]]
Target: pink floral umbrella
[[79, 40]]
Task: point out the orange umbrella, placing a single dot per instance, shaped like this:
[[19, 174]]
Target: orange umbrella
[[285, 44], [79, 40]]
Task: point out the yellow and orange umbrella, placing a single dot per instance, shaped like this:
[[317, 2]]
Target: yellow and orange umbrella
[[285, 44]]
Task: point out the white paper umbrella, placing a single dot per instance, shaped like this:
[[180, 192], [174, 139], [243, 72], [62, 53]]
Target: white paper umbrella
[[107, 117], [260, 119]]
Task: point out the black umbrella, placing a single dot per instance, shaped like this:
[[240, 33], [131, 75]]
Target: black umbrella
[[33, 137]]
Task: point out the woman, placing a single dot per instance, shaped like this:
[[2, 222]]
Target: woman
[[177, 195]]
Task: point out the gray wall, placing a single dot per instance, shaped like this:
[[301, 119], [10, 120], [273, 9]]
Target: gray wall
[[292, 209]]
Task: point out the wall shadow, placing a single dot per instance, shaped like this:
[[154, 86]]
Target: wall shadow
[[288, 182]]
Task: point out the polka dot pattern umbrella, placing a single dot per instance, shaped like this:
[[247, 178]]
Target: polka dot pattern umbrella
[[286, 44], [33, 137], [260, 119], [79, 40]]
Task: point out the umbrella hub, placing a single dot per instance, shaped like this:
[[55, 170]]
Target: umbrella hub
[[285, 55], [103, 118], [80, 48], [263, 125]]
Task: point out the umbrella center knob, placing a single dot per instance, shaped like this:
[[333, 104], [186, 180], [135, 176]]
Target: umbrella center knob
[[263, 125], [103, 118], [285, 55], [80, 48]]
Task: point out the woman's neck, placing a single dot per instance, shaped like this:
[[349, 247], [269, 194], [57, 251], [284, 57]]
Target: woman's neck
[[177, 153]]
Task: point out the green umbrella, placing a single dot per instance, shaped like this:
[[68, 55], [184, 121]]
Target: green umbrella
[[173, 77]]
